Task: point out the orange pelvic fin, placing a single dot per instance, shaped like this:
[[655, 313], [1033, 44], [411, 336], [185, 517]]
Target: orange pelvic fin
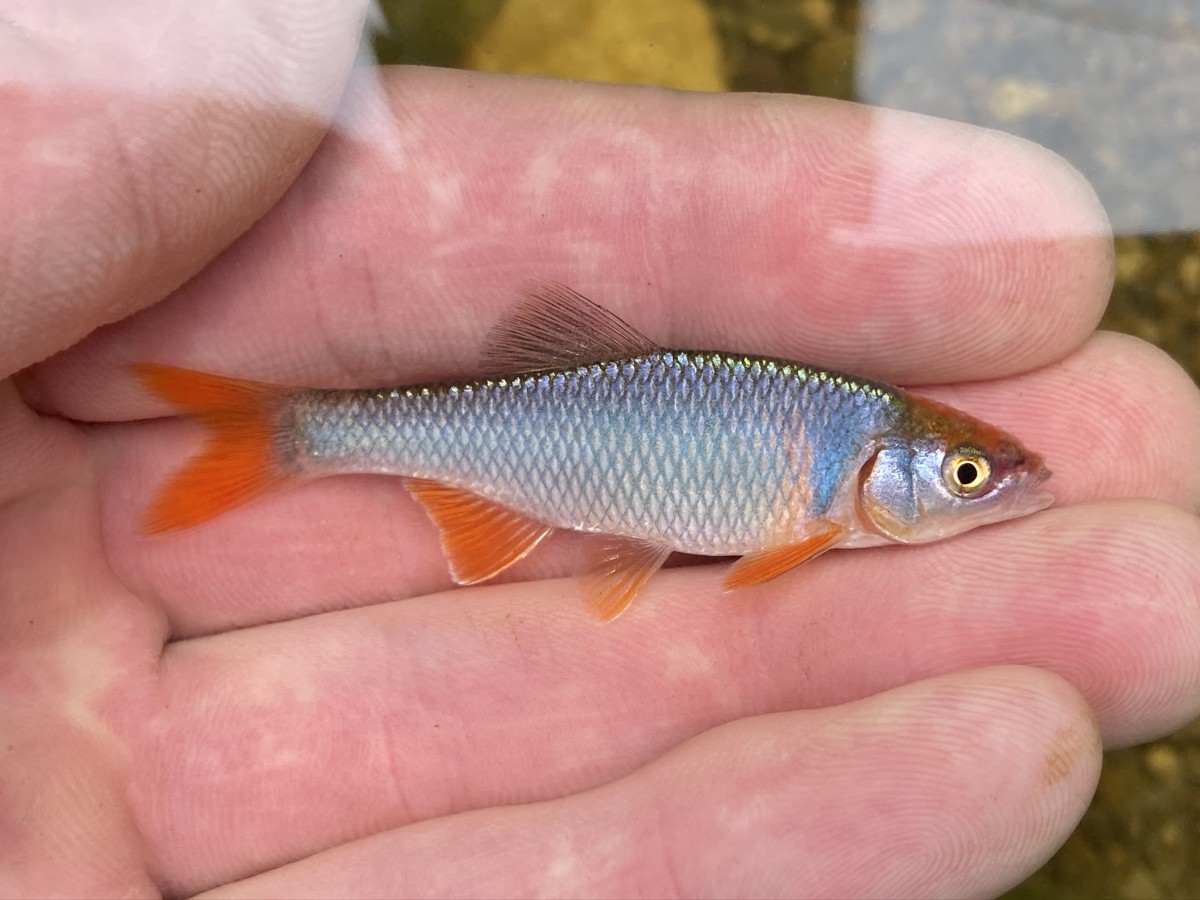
[[480, 538], [240, 459], [763, 565], [617, 569]]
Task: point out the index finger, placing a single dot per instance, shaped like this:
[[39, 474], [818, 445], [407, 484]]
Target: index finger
[[891, 244]]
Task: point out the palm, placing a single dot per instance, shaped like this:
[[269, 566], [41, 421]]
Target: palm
[[232, 751]]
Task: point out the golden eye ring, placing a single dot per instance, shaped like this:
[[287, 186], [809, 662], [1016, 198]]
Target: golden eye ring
[[966, 473]]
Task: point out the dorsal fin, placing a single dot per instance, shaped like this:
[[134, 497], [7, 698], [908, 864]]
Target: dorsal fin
[[553, 327]]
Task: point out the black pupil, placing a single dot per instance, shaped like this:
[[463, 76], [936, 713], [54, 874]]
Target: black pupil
[[968, 472]]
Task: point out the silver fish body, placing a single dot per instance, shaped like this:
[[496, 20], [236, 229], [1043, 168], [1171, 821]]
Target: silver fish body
[[707, 452]]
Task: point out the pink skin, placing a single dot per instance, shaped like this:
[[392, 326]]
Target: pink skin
[[830, 733]]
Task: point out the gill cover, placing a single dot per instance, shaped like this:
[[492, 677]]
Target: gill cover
[[887, 497]]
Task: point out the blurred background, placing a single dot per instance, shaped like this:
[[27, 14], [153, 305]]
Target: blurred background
[[1112, 85]]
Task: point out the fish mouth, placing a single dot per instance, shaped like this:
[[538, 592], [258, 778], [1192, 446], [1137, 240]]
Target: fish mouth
[[1038, 500], [1033, 496]]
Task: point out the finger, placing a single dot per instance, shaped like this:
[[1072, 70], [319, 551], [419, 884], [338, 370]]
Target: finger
[[140, 139], [34, 451], [955, 787], [1114, 420], [331, 727], [73, 645], [883, 242]]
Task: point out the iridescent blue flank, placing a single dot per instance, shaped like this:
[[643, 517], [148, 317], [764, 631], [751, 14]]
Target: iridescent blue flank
[[708, 452]]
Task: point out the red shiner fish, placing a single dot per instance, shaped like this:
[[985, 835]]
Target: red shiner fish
[[590, 426]]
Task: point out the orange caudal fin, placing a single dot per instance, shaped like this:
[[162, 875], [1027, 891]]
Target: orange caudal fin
[[240, 459]]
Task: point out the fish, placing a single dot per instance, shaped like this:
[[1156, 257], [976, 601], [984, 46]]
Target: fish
[[587, 425]]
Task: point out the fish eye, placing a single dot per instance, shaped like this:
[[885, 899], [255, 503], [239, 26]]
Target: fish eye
[[966, 472]]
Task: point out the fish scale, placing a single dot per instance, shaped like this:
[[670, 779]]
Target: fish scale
[[700, 447]]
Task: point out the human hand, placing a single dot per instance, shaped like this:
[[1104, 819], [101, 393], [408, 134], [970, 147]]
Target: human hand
[[831, 732]]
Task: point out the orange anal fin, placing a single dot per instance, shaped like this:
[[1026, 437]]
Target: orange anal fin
[[616, 571], [239, 461], [480, 538], [763, 565]]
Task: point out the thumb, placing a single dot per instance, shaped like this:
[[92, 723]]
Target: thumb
[[138, 139]]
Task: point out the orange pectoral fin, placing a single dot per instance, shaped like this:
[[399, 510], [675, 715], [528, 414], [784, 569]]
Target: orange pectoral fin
[[763, 565], [480, 538], [617, 569]]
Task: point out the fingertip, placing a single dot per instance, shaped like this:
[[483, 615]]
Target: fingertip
[[959, 785], [997, 255], [1119, 418]]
